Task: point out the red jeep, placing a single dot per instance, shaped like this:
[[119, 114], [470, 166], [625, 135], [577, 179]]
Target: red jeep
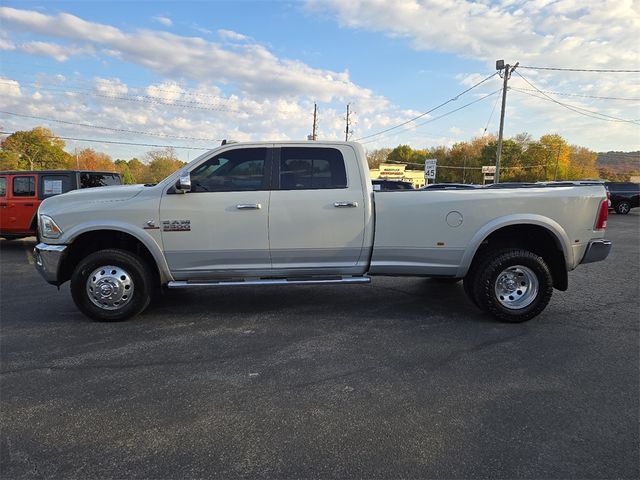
[[21, 192]]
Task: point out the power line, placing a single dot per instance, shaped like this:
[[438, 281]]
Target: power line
[[428, 112], [114, 142], [440, 116], [580, 110], [122, 130], [590, 113], [597, 70], [579, 95]]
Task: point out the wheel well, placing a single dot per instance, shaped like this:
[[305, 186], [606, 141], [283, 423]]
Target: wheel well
[[534, 238], [90, 242], [34, 222]]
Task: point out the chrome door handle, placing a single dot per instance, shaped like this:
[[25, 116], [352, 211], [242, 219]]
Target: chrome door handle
[[345, 204], [248, 206]]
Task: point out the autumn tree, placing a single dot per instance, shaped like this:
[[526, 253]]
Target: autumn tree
[[557, 156], [582, 163], [36, 149], [161, 164], [89, 159], [376, 157]]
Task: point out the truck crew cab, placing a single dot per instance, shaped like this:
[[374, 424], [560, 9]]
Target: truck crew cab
[[276, 213]]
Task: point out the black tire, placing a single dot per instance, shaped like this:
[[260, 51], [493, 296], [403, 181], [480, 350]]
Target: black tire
[[138, 276], [623, 207], [516, 265]]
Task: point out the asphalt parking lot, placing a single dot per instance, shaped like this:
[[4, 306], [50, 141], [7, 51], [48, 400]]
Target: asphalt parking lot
[[403, 378]]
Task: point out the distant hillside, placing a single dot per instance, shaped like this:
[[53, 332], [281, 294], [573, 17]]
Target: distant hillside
[[619, 162]]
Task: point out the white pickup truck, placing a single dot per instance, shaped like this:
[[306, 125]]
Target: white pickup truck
[[306, 212]]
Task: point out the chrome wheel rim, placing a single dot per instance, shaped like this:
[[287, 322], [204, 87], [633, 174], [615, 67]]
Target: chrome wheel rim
[[110, 287], [623, 208], [516, 287]]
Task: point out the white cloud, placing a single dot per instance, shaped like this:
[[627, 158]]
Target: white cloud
[[55, 51], [565, 32], [231, 35], [110, 86], [58, 52], [166, 21], [251, 66], [9, 88], [6, 44], [169, 92]]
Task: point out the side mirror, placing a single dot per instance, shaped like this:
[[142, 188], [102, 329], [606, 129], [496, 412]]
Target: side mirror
[[183, 185]]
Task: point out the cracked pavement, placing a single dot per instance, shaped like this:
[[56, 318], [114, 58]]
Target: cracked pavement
[[402, 378]]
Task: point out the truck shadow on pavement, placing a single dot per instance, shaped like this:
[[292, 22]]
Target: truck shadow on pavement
[[413, 299]]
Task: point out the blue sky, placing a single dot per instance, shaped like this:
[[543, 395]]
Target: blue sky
[[190, 73]]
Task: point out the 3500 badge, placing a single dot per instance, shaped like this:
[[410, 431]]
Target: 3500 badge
[[176, 225]]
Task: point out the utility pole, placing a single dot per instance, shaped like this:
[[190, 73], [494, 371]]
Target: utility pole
[[464, 168], [555, 175], [346, 132], [314, 132], [508, 69]]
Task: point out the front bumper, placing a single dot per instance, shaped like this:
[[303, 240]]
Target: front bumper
[[48, 259], [597, 250]]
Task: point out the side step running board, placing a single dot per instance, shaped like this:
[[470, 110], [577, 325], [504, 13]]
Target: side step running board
[[269, 281]]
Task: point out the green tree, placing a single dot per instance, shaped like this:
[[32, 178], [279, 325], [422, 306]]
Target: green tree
[[123, 168], [37, 149], [9, 160], [401, 154], [138, 170]]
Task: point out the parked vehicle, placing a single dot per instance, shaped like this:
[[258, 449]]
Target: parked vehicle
[[21, 193], [624, 196], [306, 213], [383, 184]]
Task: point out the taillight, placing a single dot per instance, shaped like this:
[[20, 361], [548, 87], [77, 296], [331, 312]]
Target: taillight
[[601, 224]]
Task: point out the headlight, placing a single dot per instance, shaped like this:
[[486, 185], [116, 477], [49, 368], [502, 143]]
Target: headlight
[[48, 228]]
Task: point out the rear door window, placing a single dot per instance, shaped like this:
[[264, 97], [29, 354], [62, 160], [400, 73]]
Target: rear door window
[[91, 179], [24, 186], [3, 186], [311, 169], [51, 185]]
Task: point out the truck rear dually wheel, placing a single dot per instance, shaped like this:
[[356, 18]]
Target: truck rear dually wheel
[[513, 285], [111, 285]]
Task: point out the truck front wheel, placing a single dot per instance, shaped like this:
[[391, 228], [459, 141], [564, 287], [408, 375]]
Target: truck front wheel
[[111, 285], [513, 285]]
